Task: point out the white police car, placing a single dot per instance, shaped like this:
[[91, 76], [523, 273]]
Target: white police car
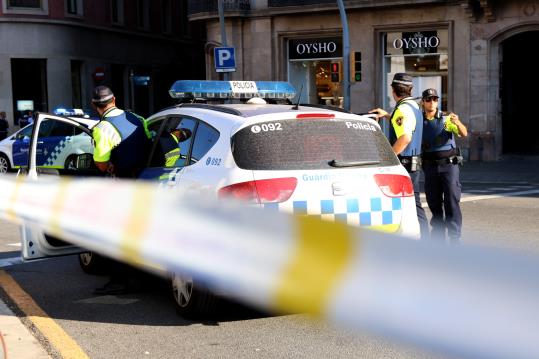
[[58, 146], [303, 159]]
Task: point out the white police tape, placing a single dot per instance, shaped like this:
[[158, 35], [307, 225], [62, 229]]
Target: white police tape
[[467, 301]]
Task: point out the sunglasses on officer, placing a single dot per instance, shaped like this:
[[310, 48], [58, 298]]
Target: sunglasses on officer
[[429, 99]]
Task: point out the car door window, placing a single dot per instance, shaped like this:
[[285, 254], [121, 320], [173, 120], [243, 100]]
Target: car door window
[[205, 137], [169, 150], [59, 144]]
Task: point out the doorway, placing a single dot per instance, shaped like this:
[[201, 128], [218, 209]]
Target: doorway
[[29, 84], [518, 80]]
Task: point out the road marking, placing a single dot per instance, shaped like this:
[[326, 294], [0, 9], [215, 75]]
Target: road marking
[[107, 299], [6, 262], [493, 196], [52, 332], [18, 244]]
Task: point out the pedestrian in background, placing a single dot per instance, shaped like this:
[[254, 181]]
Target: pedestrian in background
[[441, 159], [121, 147], [405, 136], [4, 125]]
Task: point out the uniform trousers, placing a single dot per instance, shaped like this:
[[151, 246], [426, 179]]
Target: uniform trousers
[[421, 216], [443, 192]]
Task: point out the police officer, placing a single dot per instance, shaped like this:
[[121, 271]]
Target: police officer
[[121, 140], [441, 159], [121, 146], [405, 136], [171, 145]]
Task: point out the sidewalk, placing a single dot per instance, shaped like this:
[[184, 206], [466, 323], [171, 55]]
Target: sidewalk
[[17, 342]]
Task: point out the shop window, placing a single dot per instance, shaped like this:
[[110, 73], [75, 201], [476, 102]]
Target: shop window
[[32, 7], [422, 54]]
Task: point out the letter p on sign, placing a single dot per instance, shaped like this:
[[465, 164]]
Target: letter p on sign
[[224, 59]]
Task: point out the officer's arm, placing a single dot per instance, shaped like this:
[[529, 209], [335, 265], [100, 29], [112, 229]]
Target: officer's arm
[[462, 130], [401, 143]]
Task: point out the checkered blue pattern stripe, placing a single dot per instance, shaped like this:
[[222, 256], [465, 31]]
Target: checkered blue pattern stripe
[[373, 211], [53, 156]]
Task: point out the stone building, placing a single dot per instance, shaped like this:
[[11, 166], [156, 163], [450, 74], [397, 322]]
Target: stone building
[[477, 53], [53, 52]]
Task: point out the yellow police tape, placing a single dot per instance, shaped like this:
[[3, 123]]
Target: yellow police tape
[[473, 302]]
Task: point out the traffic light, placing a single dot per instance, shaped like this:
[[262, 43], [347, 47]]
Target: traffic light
[[335, 75], [356, 63]]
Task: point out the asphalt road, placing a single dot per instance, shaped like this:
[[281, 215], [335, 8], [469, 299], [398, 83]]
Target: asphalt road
[[145, 325]]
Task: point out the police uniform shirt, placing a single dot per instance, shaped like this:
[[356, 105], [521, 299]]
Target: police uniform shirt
[[403, 121], [106, 137], [449, 127]]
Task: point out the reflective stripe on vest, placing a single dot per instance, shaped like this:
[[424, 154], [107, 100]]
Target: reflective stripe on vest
[[172, 156], [414, 147], [435, 136]]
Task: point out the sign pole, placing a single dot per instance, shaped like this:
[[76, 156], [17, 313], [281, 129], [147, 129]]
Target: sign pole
[[346, 55], [221, 7]]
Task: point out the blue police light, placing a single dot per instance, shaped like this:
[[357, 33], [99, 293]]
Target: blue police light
[[214, 90], [74, 112]]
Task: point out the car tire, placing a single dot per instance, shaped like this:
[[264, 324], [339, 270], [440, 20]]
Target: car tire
[[71, 162], [5, 167], [192, 301], [93, 263]]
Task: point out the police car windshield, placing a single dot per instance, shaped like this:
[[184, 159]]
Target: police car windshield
[[311, 144]]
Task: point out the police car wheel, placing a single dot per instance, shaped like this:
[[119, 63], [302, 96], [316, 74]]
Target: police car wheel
[[92, 263], [4, 164], [192, 301]]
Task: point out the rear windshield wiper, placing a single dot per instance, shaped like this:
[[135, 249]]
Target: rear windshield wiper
[[335, 163]]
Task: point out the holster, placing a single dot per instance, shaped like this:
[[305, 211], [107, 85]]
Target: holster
[[411, 163]]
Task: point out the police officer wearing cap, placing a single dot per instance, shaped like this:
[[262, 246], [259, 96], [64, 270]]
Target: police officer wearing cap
[[121, 138], [441, 159], [405, 136], [121, 145]]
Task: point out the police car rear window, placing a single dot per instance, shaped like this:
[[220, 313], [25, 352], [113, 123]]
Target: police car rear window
[[310, 144]]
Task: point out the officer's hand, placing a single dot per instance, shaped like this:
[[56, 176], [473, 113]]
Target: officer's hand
[[454, 118], [110, 168], [380, 113]]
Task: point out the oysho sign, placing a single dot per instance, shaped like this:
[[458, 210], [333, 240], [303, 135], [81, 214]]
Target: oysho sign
[[419, 42], [320, 48]]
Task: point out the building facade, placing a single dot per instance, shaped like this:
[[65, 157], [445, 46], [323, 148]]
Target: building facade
[[54, 52], [476, 53]]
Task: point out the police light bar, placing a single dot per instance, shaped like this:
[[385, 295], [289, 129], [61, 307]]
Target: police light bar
[[231, 89], [69, 112]]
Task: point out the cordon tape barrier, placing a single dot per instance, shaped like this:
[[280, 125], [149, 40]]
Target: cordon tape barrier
[[466, 301]]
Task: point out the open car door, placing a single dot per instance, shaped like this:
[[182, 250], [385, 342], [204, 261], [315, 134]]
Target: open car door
[[58, 146]]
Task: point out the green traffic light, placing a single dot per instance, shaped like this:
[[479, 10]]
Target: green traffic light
[[357, 76]]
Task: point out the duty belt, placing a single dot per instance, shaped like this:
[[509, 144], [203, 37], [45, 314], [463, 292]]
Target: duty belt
[[411, 163], [453, 160]]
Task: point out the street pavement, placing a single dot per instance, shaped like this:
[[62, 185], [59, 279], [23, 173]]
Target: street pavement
[[17, 341]]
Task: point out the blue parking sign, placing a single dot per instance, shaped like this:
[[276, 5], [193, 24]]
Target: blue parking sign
[[224, 59]]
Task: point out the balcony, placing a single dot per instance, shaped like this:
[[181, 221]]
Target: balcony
[[205, 9]]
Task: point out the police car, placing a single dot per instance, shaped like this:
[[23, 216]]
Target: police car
[[303, 159], [58, 146]]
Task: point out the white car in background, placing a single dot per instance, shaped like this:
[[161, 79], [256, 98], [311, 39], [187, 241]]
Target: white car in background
[[58, 146], [303, 159]]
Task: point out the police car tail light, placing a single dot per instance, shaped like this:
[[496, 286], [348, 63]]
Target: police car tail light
[[305, 116], [395, 185], [261, 191]]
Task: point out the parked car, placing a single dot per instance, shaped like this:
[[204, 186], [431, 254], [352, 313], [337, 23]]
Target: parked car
[[302, 159], [58, 146]]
